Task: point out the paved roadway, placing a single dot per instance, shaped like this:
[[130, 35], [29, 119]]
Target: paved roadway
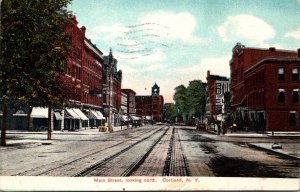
[[206, 154]]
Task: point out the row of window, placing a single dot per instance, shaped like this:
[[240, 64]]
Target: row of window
[[222, 88], [91, 65], [282, 74], [282, 96]]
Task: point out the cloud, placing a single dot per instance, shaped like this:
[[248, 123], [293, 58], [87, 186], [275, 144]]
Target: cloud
[[293, 34], [180, 26], [218, 66], [156, 55], [246, 28], [298, 1]]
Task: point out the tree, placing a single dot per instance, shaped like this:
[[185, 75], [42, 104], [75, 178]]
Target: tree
[[191, 100], [196, 98], [170, 111], [34, 48], [180, 98]]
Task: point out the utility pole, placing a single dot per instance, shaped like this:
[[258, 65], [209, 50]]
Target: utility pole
[[110, 90], [128, 100]]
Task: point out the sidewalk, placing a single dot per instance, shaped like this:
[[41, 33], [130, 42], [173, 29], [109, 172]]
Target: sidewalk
[[248, 134], [31, 139], [291, 150], [83, 131]]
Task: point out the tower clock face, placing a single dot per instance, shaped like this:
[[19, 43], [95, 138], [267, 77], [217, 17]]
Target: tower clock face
[[155, 90]]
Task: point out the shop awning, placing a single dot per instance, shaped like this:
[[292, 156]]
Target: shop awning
[[94, 115], [125, 118], [135, 118], [100, 114], [72, 114], [57, 116], [80, 113], [39, 112], [20, 113]]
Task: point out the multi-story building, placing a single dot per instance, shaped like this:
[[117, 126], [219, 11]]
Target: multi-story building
[[128, 105], [84, 71], [265, 88], [130, 101], [151, 106], [112, 79], [216, 88], [83, 77]]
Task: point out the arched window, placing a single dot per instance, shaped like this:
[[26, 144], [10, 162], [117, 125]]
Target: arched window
[[295, 95]]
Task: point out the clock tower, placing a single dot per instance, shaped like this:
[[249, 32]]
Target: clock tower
[[155, 89]]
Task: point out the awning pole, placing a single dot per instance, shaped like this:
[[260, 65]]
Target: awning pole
[[62, 126]]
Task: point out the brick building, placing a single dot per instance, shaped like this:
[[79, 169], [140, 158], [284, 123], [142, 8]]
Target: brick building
[[84, 67], [84, 77], [216, 87], [265, 89], [150, 107], [130, 101]]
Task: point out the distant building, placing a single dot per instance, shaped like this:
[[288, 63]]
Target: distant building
[[150, 107], [216, 87], [130, 101], [265, 88]]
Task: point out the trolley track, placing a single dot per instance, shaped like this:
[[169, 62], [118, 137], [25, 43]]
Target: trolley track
[[101, 168], [39, 171], [176, 163]]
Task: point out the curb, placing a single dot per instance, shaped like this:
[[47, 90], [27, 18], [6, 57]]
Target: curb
[[273, 151]]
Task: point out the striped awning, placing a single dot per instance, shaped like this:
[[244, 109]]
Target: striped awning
[[57, 116], [80, 114], [100, 114], [94, 115], [39, 112], [72, 114]]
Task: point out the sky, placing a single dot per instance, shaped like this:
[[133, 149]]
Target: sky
[[172, 42]]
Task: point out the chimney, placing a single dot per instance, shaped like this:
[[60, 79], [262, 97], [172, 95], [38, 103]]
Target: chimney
[[299, 52], [208, 72], [272, 49], [83, 29]]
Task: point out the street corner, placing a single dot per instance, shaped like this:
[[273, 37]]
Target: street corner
[[290, 150]]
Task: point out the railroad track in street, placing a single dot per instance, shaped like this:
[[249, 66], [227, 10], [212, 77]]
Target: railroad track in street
[[126, 161], [62, 169], [175, 163]]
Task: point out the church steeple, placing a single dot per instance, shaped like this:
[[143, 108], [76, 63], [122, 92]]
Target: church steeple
[[155, 89]]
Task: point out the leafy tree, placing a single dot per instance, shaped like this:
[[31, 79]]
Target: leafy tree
[[196, 98], [34, 48], [190, 100], [180, 98], [170, 111]]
